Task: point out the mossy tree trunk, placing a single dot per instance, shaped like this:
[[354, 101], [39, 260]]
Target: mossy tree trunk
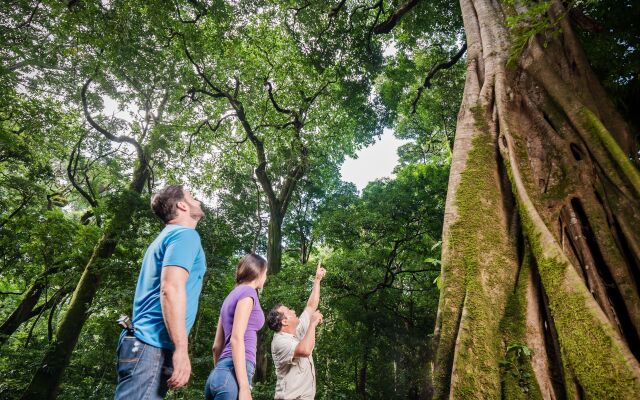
[[541, 241], [27, 308], [46, 380], [22, 311]]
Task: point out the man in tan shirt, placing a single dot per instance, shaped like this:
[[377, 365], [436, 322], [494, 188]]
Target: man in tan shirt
[[292, 346]]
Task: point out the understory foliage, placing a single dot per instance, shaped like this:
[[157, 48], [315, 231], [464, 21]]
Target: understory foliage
[[254, 106]]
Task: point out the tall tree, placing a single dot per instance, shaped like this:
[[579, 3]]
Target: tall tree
[[255, 87], [46, 380], [35, 135], [544, 172], [112, 57], [540, 242]]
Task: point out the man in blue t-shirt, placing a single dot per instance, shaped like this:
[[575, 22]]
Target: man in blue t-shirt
[[154, 357]]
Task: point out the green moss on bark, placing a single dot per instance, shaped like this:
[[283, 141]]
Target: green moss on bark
[[518, 381], [586, 340], [599, 132], [478, 245]]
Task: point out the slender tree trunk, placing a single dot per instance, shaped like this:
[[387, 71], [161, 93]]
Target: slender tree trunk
[[274, 244], [27, 309], [274, 262], [361, 374], [21, 313], [46, 380], [542, 226]]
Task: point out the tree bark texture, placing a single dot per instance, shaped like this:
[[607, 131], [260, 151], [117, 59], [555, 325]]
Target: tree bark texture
[[541, 240], [274, 242]]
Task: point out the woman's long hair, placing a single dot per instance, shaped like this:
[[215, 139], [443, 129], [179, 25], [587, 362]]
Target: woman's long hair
[[250, 267]]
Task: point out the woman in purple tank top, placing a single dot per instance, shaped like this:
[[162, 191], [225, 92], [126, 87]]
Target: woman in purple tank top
[[236, 342]]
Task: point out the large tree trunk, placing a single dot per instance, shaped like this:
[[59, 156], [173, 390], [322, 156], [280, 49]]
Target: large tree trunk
[[274, 263], [274, 243], [541, 240], [46, 380]]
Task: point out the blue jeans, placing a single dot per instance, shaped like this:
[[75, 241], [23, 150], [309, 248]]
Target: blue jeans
[[222, 383], [143, 370]]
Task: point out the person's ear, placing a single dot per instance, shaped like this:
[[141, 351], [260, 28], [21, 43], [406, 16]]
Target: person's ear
[[181, 205]]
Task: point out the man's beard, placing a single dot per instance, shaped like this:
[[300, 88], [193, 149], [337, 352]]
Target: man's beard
[[197, 215]]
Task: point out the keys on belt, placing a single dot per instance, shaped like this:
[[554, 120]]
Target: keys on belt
[[125, 323]]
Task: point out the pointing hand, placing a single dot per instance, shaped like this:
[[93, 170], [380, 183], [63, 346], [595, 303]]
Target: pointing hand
[[320, 272], [316, 317]]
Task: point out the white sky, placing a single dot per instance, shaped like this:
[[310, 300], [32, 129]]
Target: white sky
[[373, 162]]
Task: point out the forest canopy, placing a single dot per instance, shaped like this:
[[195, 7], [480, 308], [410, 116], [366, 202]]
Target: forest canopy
[[501, 259]]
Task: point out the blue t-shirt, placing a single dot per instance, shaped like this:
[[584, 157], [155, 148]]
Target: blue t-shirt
[[179, 246]]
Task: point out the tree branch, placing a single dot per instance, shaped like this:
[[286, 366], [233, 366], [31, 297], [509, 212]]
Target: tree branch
[[281, 110], [431, 74], [72, 168], [51, 302], [201, 12], [289, 187], [23, 203], [387, 25], [335, 10], [579, 18], [163, 104], [261, 172], [103, 131], [206, 123], [380, 6], [312, 99], [27, 22], [218, 91], [258, 217], [276, 126]]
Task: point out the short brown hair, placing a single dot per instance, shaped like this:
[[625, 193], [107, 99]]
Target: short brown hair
[[275, 317], [163, 203], [249, 268]]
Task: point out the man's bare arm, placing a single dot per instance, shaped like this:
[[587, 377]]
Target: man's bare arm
[[173, 299], [308, 342], [314, 297]]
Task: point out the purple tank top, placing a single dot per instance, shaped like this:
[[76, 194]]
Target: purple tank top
[[256, 321]]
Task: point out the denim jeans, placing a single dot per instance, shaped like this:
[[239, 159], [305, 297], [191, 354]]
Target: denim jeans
[[143, 370], [222, 383]]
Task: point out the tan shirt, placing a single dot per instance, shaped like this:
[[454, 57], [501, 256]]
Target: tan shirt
[[296, 376]]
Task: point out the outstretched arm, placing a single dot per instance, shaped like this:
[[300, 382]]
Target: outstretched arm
[[314, 298]]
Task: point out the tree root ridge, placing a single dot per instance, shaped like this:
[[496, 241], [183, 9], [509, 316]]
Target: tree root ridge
[[550, 337], [629, 255]]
